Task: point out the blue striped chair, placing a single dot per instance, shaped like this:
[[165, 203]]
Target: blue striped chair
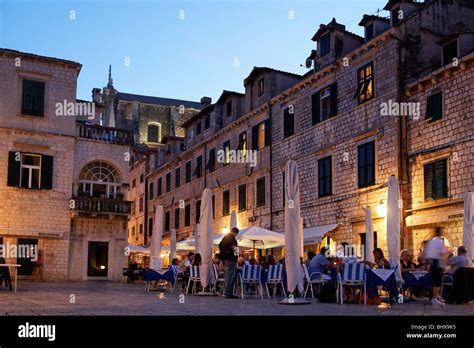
[[275, 276], [219, 279], [194, 277], [352, 274], [176, 273], [315, 278], [251, 275]]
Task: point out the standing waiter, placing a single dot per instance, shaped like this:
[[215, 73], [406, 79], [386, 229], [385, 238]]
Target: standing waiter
[[229, 253]]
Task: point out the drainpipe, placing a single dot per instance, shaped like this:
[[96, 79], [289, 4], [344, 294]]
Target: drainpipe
[[145, 205], [271, 164]]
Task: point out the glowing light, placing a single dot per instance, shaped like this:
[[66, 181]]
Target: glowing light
[[225, 230], [102, 267], [381, 209]]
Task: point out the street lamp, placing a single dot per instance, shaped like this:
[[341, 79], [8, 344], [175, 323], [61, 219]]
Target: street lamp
[[381, 209]]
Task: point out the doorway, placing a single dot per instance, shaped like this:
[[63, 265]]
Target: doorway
[[98, 259]]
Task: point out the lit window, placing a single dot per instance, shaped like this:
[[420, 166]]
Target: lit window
[[30, 171], [365, 87]]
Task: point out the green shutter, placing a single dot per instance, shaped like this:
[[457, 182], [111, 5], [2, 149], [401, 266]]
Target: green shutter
[[267, 132], [428, 181], [315, 108], [13, 169], [333, 91]]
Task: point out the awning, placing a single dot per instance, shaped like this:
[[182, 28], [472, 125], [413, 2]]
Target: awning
[[190, 243], [434, 218], [136, 249], [314, 235]]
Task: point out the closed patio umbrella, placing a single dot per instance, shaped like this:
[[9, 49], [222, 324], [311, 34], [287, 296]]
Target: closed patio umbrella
[[393, 225], [156, 262], [293, 229], [467, 224], [369, 236], [233, 220], [196, 238], [205, 238], [172, 244]]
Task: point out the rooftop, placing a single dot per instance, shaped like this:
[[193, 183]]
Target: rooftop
[[257, 70], [14, 53], [158, 100]]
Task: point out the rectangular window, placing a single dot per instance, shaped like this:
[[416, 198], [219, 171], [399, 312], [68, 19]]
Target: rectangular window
[[167, 221], [363, 239], [198, 211], [225, 203], [243, 197], [141, 178], [198, 170], [153, 133], [229, 108], [365, 86], [32, 101], [366, 164], [140, 205], [188, 172], [260, 192], [187, 215], [198, 128], [242, 147], [150, 226], [211, 165], [436, 180], [324, 104], [324, 44], [168, 182], [396, 15], [177, 177], [226, 148], [134, 232], [261, 87], [434, 107], [369, 32], [176, 218], [140, 228], [31, 171], [134, 183], [325, 177], [207, 122], [261, 135], [159, 187], [450, 52], [289, 121], [151, 191]]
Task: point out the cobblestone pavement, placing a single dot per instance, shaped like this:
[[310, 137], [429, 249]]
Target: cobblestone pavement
[[104, 298]]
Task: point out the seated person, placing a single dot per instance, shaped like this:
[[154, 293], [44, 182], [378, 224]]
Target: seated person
[[459, 261], [406, 265], [271, 260], [380, 260], [320, 263], [197, 260], [187, 262]]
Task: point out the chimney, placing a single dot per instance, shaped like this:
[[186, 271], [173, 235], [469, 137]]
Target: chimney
[[205, 101], [96, 95]]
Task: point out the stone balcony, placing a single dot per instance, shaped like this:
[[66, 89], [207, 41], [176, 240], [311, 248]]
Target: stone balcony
[[100, 206], [106, 134]]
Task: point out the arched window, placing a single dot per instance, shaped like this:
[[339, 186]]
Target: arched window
[[99, 179], [154, 132]]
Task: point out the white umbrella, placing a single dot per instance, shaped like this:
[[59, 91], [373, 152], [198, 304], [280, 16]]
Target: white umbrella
[[233, 220], [156, 262], [205, 238], [260, 238], [172, 244], [393, 225], [196, 238], [467, 224], [293, 229], [369, 236]]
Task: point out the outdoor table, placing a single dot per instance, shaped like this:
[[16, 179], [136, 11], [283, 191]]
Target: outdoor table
[[15, 266], [378, 277], [418, 279], [151, 275], [463, 285]]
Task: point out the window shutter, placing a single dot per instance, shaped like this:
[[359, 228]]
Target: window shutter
[[428, 178], [429, 108], [333, 89], [46, 172], [315, 108], [267, 132], [441, 180], [13, 170], [438, 107], [255, 137]]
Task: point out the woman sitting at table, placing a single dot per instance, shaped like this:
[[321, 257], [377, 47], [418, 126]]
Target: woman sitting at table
[[197, 260], [380, 260], [406, 265]]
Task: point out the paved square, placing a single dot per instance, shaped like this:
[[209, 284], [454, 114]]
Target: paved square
[[105, 298]]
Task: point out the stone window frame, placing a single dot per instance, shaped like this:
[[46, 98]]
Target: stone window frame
[[427, 159], [157, 124], [33, 76]]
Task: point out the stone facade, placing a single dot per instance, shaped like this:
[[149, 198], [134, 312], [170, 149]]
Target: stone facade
[[407, 66]]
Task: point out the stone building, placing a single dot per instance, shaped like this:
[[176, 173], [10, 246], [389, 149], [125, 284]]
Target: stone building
[[356, 118], [62, 183]]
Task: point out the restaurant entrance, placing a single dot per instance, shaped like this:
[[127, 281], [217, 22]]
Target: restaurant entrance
[[98, 259]]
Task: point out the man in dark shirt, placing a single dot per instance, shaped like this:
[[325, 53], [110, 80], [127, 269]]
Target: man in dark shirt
[[228, 254]]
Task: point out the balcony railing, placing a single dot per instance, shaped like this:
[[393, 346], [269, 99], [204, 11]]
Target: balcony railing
[[101, 206], [106, 134]]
